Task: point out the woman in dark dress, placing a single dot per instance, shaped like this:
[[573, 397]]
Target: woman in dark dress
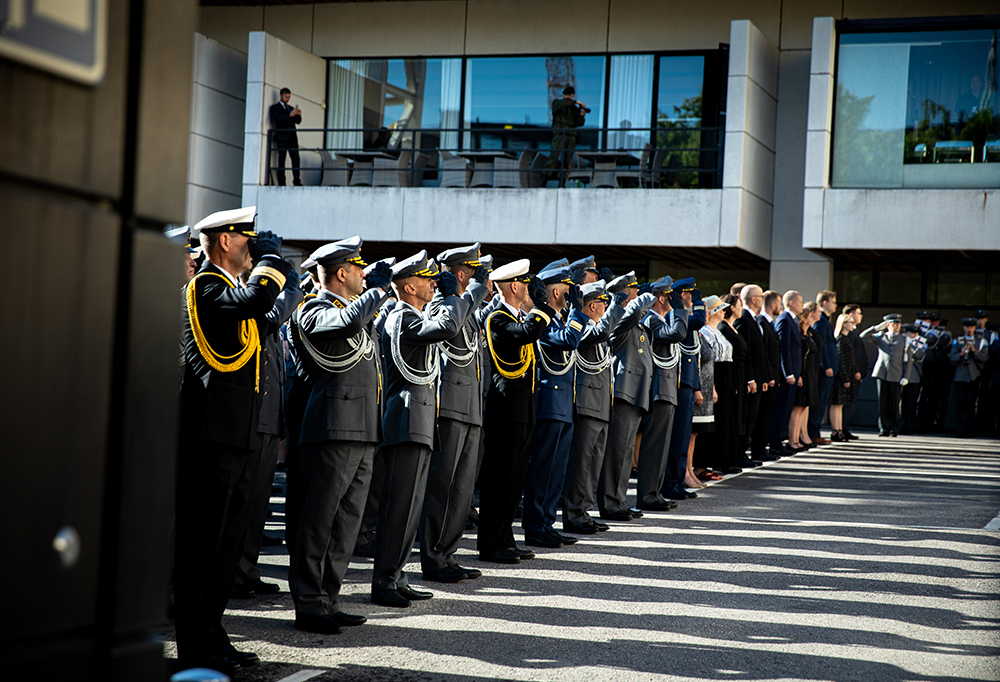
[[807, 394], [845, 385], [741, 370]]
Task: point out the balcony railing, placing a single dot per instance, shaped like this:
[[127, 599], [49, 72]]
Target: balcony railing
[[510, 157]]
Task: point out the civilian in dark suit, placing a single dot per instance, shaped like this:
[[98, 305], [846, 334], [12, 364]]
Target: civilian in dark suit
[[752, 297], [509, 420], [283, 119], [829, 363], [860, 358], [761, 434], [790, 338], [220, 409]]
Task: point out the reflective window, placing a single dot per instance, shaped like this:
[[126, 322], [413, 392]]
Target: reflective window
[[917, 110], [679, 137], [515, 95], [375, 101]]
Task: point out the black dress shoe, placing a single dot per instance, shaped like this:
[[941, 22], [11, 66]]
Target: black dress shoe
[[321, 625], [731, 470], [580, 528], [620, 515], [267, 541], [657, 505], [635, 512], [894, 433], [675, 494], [747, 463], [470, 573], [565, 539], [244, 658], [500, 557], [851, 436], [766, 457], [521, 553], [414, 594], [219, 662], [542, 541], [348, 620], [390, 598], [242, 592], [883, 434], [261, 587], [448, 574], [601, 527]]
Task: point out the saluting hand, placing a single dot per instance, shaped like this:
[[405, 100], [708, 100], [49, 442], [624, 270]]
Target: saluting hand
[[536, 289], [574, 297]]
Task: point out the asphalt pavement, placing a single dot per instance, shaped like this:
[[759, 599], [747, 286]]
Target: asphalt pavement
[[876, 560]]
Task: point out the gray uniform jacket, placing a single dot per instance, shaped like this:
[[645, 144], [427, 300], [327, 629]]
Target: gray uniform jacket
[[462, 372], [631, 346], [889, 365], [341, 355], [593, 389], [913, 360], [409, 342], [968, 364], [666, 355]]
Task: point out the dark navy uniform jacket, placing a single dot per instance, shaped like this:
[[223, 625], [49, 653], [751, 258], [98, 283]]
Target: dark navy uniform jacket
[[555, 391], [513, 398], [690, 371], [217, 405]]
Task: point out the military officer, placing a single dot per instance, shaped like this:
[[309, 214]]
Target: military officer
[[593, 360], [412, 368], [667, 322], [341, 427], [270, 429], [913, 359], [888, 370], [453, 463], [365, 546], [969, 353], [689, 381], [510, 408], [584, 271], [220, 410], [633, 375], [553, 435]]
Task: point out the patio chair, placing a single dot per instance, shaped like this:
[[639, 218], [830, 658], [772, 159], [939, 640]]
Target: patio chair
[[336, 171]]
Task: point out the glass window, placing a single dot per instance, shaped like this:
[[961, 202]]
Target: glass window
[[899, 288], [959, 288], [679, 120], [508, 100], [917, 110], [388, 97], [630, 101]]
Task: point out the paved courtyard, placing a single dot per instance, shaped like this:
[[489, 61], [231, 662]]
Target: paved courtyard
[[876, 561]]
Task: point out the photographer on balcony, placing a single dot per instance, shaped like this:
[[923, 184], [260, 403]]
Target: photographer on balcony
[[568, 113]]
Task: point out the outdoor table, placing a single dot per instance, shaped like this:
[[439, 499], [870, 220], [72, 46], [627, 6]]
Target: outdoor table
[[483, 165], [364, 163], [605, 165]]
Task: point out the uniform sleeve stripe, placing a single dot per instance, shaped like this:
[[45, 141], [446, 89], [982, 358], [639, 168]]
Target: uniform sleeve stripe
[[575, 326], [536, 311], [273, 273]]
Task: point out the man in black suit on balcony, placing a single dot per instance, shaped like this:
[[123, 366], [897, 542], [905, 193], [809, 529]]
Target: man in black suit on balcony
[[283, 119]]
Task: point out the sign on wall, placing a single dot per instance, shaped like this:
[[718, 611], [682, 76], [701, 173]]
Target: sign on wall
[[64, 37]]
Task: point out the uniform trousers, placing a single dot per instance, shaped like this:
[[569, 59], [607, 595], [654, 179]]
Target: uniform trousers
[[612, 487], [590, 438], [782, 411], [888, 406], [816, 412], [335, 477], [399, 511], [369, 519], [761, 429], [654, 453], [910, 394], [262, 464], [298, 396], [680, 437], [501, 482], [965, 405], [213, 496], [449, 493], [551, 444]]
